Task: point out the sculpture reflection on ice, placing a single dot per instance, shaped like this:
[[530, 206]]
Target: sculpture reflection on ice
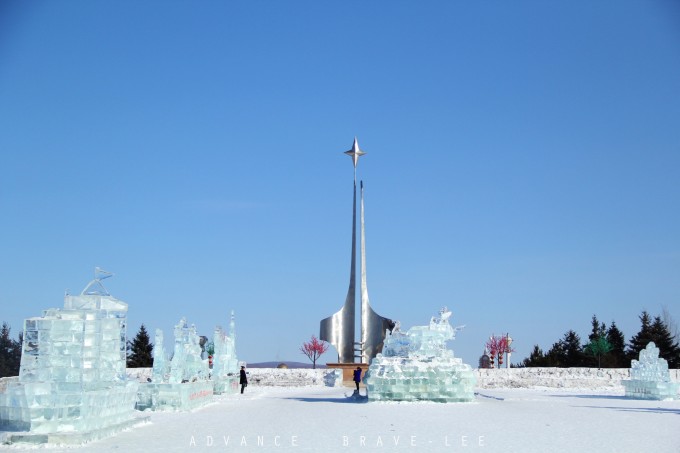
[[416, 365], [72, 377], [650, 378]]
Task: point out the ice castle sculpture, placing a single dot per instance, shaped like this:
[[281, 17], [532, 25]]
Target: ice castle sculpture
[[72, 385], [181, 383], [225, 364], [417, 366], [186, 364], [650, 378]]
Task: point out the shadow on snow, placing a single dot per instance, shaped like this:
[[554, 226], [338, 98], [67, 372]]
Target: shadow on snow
[[351, 398]]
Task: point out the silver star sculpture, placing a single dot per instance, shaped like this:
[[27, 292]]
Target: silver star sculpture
[[355, 153]]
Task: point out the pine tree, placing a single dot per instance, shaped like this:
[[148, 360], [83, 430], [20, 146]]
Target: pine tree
[[10, 353], [572, 349], [668, 347], [140, 350], [672, 325], [556, 355], [598, 330], [597, 348], [536, 358], [644, 336], [617, 356]]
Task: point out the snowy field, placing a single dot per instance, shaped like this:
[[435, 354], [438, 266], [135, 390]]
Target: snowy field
[[328, 419]]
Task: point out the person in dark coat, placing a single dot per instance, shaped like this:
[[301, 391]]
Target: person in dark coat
[[357, 377], [243, 379]]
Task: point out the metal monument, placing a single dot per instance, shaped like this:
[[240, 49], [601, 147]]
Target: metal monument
[[339, 329]]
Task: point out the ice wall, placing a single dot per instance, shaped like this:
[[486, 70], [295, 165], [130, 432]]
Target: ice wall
[[417, 365]]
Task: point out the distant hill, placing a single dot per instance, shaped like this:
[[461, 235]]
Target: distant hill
[[288, 364]]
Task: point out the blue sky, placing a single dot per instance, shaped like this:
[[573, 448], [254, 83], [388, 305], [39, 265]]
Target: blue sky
[[523, 163]]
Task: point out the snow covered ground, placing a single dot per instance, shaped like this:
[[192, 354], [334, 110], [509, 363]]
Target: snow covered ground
[[328, 419]]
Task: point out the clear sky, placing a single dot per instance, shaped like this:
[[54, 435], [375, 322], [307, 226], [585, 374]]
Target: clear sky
[[523, 163]]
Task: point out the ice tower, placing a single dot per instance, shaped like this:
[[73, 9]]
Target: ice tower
[[72, 385], [650, 378]]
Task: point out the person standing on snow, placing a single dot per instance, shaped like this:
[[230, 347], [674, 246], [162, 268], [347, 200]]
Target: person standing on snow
[[357, 377], [243, 379]]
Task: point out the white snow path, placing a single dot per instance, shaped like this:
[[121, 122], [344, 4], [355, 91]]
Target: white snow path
[[319, 419]]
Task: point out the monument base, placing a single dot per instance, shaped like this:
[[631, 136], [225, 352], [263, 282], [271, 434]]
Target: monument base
[[348, 372]]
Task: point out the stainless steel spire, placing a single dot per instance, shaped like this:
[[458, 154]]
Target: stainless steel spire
[[339, 329], [373, 326]]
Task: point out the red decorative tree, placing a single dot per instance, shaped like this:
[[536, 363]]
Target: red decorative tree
[[497, 346], [313, 349]]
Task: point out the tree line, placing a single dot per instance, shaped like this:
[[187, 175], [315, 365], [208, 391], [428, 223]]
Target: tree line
[[606, 346]]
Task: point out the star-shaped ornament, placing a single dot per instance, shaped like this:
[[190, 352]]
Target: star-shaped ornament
[[355, 153]]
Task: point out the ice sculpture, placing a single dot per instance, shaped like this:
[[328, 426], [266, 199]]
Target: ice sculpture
[[225, 364], [72, 385], [181, 384], [416, 365], [650, 378], [186, 364], [159, 372]]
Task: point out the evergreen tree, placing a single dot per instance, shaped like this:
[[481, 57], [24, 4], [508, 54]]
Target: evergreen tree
[[668, 347], [10, 353], [672, 325], [597, 348], [140, 350], [536, 358], [573, 350], [556, 355], [617, 356], [598, 330], [566, 353], [644, 336]]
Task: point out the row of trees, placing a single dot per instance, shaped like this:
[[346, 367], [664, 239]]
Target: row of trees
[[606, 346]]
